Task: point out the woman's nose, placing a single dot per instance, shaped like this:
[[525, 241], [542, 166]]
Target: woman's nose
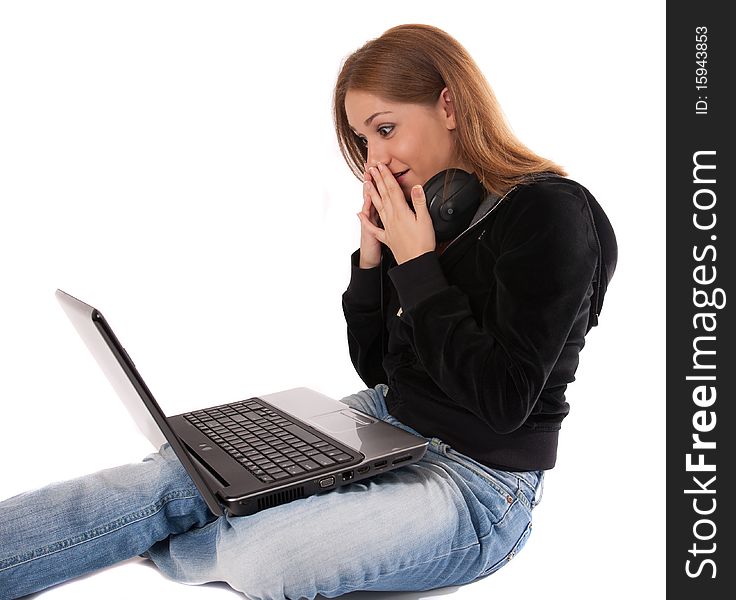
[[373, 161], [375, 155]]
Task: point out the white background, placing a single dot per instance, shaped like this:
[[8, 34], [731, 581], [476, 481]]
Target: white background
[[175, 165]]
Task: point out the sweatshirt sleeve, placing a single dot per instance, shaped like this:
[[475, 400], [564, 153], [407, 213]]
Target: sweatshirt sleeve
[[361, 305], [497, 368]]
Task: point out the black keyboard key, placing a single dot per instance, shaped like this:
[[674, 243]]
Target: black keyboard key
[[302, 434], [246, 415], [323, 460]]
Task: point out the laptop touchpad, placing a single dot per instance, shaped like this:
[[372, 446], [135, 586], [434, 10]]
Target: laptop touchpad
[[343, 420]]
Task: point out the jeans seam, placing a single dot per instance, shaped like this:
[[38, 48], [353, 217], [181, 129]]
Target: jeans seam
[[510, 554], [411, 566], [97, 532]]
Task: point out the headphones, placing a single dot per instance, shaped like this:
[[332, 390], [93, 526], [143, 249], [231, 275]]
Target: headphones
[[453, 197]]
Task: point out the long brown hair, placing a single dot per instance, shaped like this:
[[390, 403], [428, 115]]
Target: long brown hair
[[414, 63]]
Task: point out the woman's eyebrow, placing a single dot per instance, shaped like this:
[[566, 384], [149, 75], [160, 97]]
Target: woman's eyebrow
[[369, 119]]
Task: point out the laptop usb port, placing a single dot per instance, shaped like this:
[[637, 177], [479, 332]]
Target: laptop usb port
[[380, 464]]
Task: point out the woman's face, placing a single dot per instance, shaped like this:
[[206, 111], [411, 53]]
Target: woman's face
[[414, 138]]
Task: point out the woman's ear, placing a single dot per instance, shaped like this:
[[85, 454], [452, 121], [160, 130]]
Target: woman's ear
[[446, 109]]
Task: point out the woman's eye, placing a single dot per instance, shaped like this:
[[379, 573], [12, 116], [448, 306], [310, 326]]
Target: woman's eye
[[383, 131]]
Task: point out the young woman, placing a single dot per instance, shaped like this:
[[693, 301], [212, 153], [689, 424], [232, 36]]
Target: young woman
[[466, 332]]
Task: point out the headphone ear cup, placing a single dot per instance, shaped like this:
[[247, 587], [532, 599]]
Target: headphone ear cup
[[453, 196], [432, 192]]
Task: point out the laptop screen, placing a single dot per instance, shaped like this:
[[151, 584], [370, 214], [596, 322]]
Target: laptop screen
[[120, 370]]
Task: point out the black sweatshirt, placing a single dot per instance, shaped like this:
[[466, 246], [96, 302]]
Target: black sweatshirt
[[484, 338]]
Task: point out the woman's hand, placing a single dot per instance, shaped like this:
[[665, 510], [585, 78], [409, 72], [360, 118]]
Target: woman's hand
[[370, 247], [407, 233]]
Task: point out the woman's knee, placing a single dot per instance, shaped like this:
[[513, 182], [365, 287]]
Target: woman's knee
[[160, 483]]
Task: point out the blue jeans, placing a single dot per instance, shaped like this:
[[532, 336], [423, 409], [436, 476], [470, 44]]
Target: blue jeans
[[446, 520]]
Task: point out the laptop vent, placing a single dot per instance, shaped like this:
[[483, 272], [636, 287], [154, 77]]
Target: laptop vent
[[280, 498]]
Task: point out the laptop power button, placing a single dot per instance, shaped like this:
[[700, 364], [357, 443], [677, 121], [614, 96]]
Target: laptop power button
[[327, 482]]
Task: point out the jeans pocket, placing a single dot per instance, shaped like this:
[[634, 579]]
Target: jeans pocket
[[532, 482]]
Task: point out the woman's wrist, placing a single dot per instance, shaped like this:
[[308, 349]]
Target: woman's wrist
[[367, 265], [369, 260]]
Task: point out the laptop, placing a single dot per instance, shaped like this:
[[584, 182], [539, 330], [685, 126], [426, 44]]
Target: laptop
[[257, 453]]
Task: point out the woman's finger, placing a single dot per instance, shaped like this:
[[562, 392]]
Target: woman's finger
[[382, 189], [389, 181], [376, 232], [374, 218], [370, 190], [367, 203]]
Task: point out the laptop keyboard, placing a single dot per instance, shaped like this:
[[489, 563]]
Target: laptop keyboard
[[270, 446]]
